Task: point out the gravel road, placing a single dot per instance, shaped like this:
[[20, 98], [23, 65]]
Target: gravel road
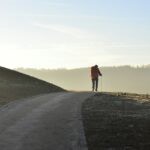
[[46, 122]]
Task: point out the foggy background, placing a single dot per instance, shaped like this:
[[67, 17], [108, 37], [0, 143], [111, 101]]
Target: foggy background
[[115, 79]]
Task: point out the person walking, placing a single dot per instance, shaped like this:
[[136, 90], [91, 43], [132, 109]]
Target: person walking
[[95, 73]]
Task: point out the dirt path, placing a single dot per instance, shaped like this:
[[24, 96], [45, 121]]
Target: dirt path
[[48, 122], [117, 123]]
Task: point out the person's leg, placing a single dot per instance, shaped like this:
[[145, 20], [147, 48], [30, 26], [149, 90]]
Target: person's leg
[[93, 84], [96, 80]]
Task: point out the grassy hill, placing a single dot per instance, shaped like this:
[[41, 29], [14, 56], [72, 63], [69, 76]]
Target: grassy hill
[[15, 85]]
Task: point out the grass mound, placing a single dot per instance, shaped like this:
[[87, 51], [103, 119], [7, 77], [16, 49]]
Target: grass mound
[[15, 85]]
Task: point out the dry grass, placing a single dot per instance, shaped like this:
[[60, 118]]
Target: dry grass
[[15, 85], [117, 122]]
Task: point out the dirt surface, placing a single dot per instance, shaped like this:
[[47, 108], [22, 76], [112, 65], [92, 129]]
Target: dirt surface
[[117, 122], [48, 122]]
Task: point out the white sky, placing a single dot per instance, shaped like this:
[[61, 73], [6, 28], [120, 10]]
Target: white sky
[[72, 34]]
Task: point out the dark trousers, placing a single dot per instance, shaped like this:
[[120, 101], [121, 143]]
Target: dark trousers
[[94, 84]]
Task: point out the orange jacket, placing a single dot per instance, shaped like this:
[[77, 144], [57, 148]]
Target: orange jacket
[[95, 72]]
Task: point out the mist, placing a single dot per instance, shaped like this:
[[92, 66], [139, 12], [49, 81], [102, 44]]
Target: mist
[[115, 79]]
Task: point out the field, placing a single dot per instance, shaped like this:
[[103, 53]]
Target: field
[[117, 121]]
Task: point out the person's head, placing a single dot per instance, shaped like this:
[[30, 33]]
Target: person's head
[[96, 66]]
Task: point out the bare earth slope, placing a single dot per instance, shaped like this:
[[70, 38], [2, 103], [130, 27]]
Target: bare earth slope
[[115, 122], [15, 85], [48, 122]]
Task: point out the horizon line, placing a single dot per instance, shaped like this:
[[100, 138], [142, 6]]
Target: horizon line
[[67, 68]]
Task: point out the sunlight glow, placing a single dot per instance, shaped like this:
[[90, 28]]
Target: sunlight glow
[[72, 34]]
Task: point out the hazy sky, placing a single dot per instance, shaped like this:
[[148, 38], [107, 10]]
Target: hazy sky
[[74, 33]]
